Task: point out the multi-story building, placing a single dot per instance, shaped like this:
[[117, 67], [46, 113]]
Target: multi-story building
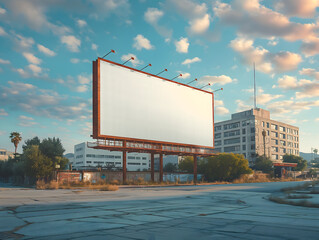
[[243, 134], [85, 158], [5, 155]]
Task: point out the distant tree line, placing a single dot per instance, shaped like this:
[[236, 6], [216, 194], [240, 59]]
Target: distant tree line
[[38, 161]]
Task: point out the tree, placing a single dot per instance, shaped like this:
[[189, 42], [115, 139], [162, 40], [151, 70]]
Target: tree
[[302, 163], [30, 142], [187, 165], [15, 139], [225, 167], [37, 165], [170, 167], [263, 164], [53, 149]]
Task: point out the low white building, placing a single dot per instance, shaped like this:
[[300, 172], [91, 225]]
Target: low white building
[[86, 158], [5, 155]]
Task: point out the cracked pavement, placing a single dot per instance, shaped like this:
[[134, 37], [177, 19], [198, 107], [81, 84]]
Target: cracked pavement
[[233, 211]]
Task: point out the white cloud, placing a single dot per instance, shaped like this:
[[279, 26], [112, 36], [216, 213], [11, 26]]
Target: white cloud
[[83, 79], [104, 8], [134, 62], [32, 13], [75, 60], [317, 119], [23, 42], [309, 72], [152, 16], [82, 88], [200, 25], [190, 61], [221, 110], [81, 23], [2, 11], [185, 75], [45, 50], [2, 32], [22, 117], [299, 8], [265, 61], [221, 80], [141, 42], [3, 112], [182, 45], [94, 46], [31, 58], [35, 69], [304, 88], [3, 61], [71, 42]]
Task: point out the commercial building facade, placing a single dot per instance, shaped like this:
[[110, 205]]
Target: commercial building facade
[[86, 158], [243, 134], [5, 155]]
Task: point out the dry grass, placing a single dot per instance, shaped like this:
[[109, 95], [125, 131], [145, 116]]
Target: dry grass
[[41, 185], [102, 185], [298, 196]]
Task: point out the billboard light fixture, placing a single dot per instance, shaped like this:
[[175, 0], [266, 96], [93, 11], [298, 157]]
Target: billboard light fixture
[[192, 81], [131, 58], [205, 86], [179, 75], [165, 70], [148, 65], [112, 51], [221, 89]]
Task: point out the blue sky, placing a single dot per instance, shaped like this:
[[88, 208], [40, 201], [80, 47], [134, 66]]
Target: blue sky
[[47, 48]]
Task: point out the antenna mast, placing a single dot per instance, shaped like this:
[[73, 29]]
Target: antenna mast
[[255, 97]]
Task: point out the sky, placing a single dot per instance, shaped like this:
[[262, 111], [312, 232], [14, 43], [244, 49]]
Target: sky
[[47, 49]]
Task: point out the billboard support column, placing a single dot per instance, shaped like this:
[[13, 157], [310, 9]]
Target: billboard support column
[[124, 162], [195, 169], [152, 167], [161, 168]]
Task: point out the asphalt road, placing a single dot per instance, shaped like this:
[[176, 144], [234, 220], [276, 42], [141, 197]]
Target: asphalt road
[[233, 211]]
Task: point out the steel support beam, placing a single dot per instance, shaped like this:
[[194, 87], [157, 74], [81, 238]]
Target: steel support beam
[[124, 163], [195, 169], [152, 167], [161, 168]]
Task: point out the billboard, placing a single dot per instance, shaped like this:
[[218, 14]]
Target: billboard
[[134, 105]]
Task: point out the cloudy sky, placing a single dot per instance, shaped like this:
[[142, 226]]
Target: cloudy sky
[[47, 48]]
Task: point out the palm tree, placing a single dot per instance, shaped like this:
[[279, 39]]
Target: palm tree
[[15, 139]]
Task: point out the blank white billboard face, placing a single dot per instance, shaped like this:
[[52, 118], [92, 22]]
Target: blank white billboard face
[[140, 106]]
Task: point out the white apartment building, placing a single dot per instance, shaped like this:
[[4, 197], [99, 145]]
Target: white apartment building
[[243, 134], [86, 158], [4, 154]]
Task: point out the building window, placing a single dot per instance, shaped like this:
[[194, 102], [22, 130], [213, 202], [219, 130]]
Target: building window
[[144, 158], [267, 124], [231, 133], [231, 125], [133, 163], [244, 130], [253, 147], [244, 139], [217, 149], [232, 148], [218, 135], [218, 128], [252, 130], [244, 147], [79, 156], [282, 136], [282, 129], [282, 143], [232, 141], [88, 161], [130, 157], [252, 138], [275, 149], [274, 126], [78, 149], [218, 143], [263, 123]]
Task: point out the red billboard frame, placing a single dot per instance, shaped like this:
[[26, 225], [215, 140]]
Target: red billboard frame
[[146, 145]]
